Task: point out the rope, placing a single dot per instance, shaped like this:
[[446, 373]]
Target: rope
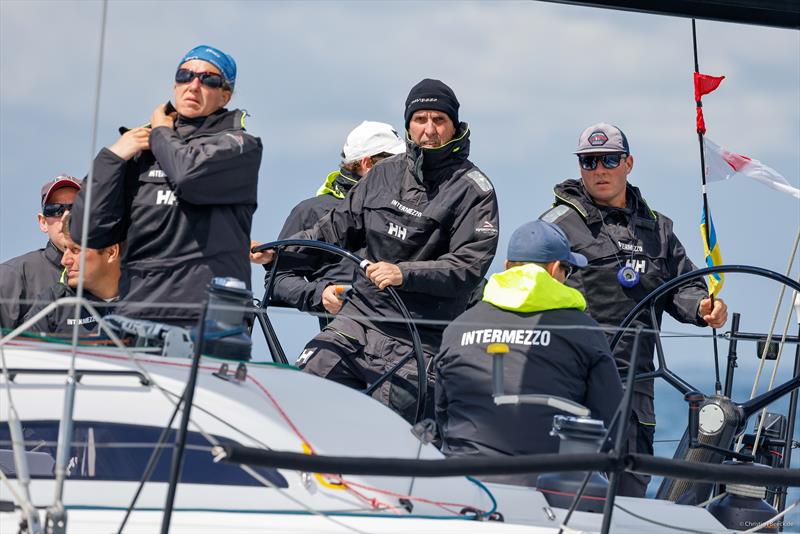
[[348, 484], [712, 499]]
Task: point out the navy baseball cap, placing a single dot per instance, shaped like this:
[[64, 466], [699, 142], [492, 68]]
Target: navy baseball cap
[[542, 242]]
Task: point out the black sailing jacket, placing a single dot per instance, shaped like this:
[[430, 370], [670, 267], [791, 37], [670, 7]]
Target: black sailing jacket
[[637, 236], [23, 278], [61, 320], [433, 213], [185, 208], [554, 349], [301, 286]]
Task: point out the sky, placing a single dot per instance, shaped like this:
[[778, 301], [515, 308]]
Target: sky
[[529, 75]]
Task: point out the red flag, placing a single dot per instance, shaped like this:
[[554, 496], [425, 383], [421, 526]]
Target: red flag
[[704, 84]]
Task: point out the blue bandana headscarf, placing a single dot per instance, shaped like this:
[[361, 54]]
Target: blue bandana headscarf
[[215, 56]]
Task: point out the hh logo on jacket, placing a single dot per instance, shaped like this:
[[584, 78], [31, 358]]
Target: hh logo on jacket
[[165, 196], [398, 231]]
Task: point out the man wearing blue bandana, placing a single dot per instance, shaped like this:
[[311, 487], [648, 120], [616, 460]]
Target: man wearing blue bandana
[[181, 191]]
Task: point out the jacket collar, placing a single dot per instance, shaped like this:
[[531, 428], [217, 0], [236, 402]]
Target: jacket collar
[[219, 121], [529, 288], [337, 184], [426, 164], [53, 255], [572, 193]]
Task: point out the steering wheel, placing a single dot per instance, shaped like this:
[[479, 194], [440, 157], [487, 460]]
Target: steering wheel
[[716, 445], [275, 346]]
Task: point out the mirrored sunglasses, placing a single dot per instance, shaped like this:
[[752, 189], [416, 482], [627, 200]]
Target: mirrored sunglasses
[[610, 161], [55, 210], [209, 79]]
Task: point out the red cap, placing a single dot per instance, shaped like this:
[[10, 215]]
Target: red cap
[[58, 182]]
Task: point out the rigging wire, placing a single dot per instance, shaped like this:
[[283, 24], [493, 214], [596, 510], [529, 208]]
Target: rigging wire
[[57, 513], [776, 365], [210, 438], [773, 321], [23, 479], [151, 464]]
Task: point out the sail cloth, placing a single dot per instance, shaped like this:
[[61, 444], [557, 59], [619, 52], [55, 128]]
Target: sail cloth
[[712, 253], [722, 164]]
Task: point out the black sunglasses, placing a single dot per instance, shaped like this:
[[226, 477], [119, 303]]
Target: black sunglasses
[[209, 79], [610, 161], [55, 210], [568, 270]]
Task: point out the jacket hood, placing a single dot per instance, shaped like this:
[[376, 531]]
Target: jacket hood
[[425, 163], [529, 288], [572, 193], [337, 183]]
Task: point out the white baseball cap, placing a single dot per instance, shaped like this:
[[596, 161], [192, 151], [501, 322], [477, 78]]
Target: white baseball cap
[[370, 138]]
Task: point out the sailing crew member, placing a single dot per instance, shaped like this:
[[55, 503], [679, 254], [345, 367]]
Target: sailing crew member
[[632, 250], [24, 277], [181, 191], [100, 283], [311, 286], [528, 308], [428, 221]]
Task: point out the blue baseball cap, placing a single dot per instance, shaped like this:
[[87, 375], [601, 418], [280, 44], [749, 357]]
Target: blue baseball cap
[[542, 242], [215, 56]]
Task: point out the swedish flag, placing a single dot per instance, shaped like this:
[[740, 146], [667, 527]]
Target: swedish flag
[[713, 255]]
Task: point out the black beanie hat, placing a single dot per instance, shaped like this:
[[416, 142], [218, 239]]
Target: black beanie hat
[[432, 94]]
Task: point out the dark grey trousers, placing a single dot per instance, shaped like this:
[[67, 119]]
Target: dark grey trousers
[[348, 353]]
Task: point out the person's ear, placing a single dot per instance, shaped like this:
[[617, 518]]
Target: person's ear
[[364, 165], [42, 223], [505, 265], [113, 253], [629, 162], [227, 94]]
